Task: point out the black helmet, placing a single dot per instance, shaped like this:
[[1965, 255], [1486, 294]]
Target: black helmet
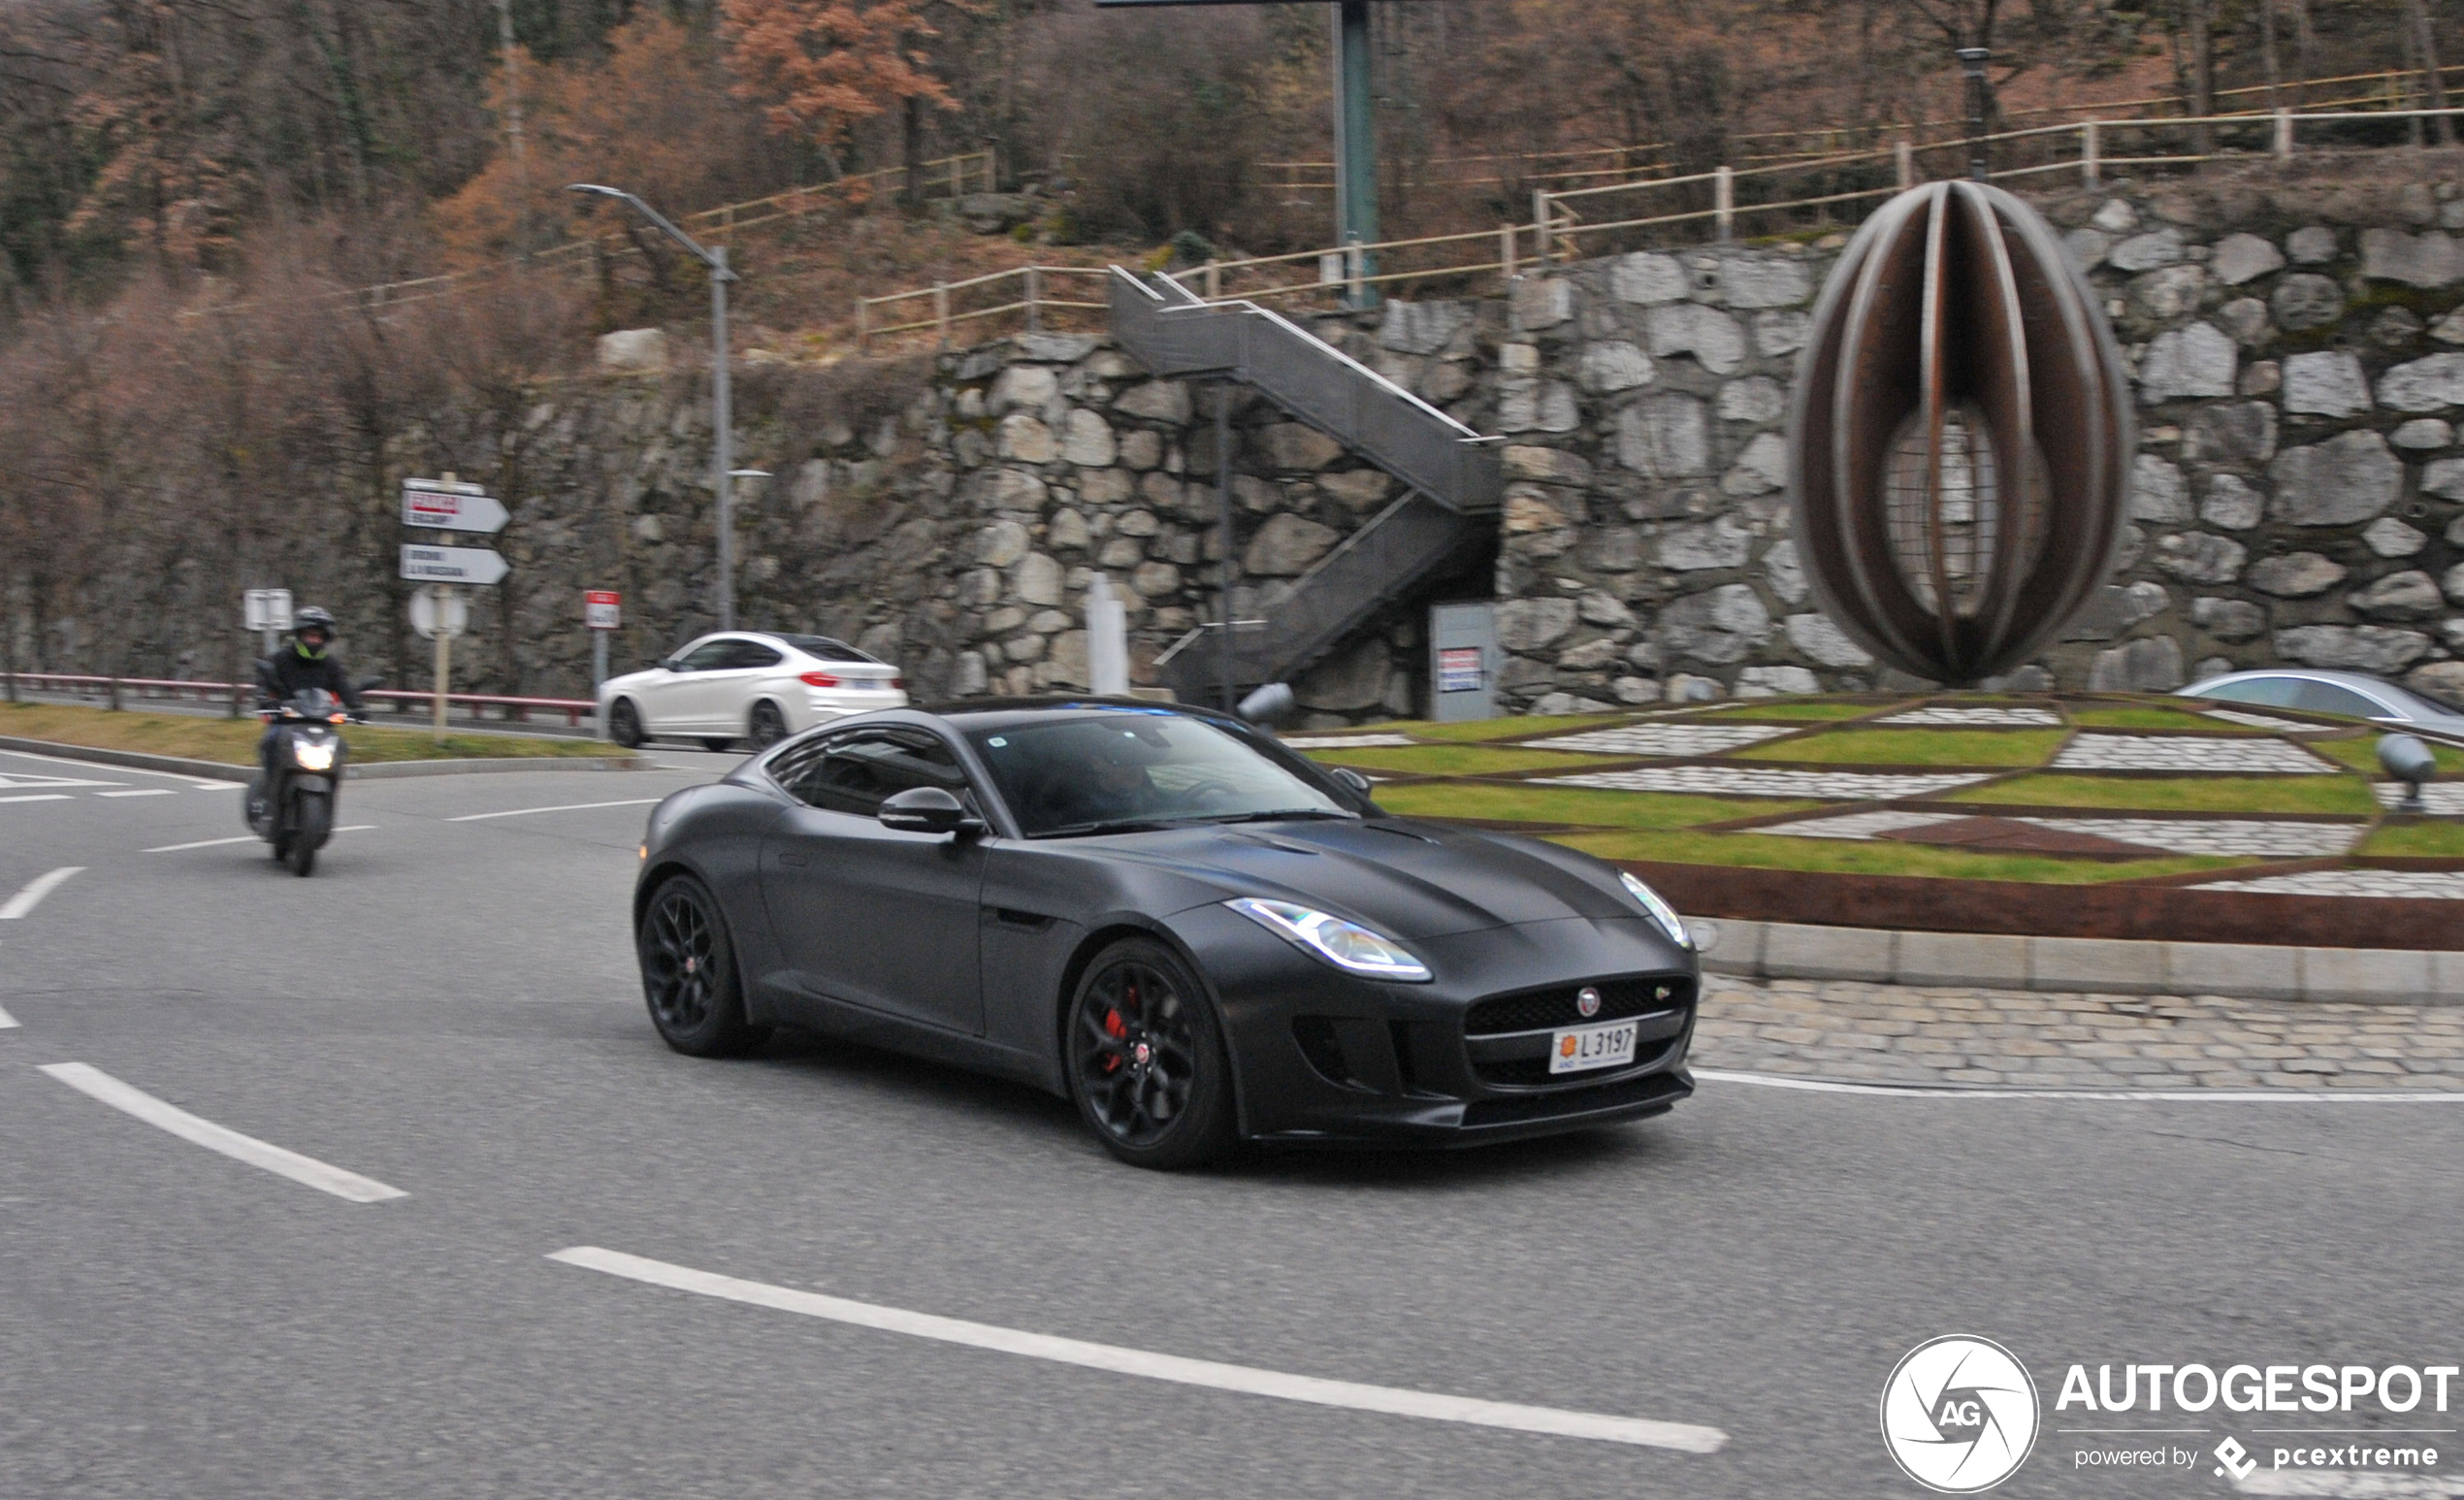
[[309, 619]]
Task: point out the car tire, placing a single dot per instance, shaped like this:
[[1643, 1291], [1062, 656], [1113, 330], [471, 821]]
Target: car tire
[[688, 974], [623, 723], [1142, 1037], [718, 744], [767, 724]]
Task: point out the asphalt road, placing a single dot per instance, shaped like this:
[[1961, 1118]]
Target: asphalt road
[[449, 1007]]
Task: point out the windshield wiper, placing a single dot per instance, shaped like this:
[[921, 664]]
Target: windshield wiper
[[1288, 814], [1112, 825]]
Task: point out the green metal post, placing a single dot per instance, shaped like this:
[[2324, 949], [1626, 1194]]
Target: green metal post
[[1355, 144]]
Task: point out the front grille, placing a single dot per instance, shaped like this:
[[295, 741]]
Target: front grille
[[1537, 1010]]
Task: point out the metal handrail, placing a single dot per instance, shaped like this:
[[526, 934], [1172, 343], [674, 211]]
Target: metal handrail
[[403, 699]]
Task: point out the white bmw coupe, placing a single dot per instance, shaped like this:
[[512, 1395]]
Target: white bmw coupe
[[759, 686]]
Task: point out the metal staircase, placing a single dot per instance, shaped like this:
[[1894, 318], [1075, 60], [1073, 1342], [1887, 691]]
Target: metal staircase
[[1450, 473]]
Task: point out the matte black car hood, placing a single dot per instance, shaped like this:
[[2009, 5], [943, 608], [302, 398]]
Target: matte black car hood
[[1401, 878]]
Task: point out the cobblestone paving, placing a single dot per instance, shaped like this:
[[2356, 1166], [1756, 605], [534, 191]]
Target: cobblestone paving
[[2260, 721], [2217, 835], [2443, 799], [1859, 825], [2430, 885], [1665, 738], [1350, 741], [2041, 717], [1889, 1033], [1740, 781], [2185, 752]]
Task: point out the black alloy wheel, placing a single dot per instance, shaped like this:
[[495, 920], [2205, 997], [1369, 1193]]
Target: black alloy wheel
[[768, 725], [688, 974], [623, 723], [1147, 1063]]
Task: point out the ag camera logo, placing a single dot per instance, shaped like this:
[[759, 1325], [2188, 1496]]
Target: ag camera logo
[[1960, 1414]]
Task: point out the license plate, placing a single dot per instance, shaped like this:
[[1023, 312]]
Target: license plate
[[1581, 1048]]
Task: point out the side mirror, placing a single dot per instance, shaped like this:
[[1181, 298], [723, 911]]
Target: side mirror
[[372, 680], [927, 810], [265, 674], [1353, 779]]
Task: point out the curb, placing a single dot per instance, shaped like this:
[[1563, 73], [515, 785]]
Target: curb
[[374, 770], [1777, 950]]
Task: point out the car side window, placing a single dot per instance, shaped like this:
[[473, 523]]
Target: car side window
[[751, 653], [855, 772], [706, 657], [2327, 698], [2276, 691]]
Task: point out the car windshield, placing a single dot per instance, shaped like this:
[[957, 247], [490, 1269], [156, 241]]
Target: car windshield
[[1113, 772], [826, 649]]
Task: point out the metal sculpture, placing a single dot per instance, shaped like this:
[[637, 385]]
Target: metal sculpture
[[1960, 437]]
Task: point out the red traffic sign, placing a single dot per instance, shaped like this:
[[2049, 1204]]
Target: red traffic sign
[[601, 609]]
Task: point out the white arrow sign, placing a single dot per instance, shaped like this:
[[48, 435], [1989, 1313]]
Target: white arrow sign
[[454, 507], [454, 565]]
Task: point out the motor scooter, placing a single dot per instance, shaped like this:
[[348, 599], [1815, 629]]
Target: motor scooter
[[295, 812]]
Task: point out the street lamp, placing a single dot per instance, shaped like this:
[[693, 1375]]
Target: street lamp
[[722, 418]]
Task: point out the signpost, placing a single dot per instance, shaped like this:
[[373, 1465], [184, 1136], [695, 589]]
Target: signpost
[[438, 611], [602, 611], [268, 612]]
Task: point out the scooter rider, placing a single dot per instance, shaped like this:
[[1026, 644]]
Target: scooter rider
[[309, 662]]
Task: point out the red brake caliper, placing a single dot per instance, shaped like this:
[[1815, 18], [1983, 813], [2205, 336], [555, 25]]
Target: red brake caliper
[[1115, 1029]]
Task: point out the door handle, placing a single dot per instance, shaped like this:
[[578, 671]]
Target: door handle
[[797, 860]]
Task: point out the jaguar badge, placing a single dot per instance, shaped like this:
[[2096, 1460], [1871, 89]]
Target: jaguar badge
[[1587, 1001]]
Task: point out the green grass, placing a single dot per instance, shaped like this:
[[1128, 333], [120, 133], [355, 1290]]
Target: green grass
[[234, 741], [2362, 755], [1879, 857], [2418, 842], [1461, 760], [1916, 747], [2158, 719], [2340, 794], [1788, 709], [1583, 806], [1534, 727]]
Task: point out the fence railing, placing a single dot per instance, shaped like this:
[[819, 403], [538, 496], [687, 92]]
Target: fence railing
[[1779, 197], [509, 707]]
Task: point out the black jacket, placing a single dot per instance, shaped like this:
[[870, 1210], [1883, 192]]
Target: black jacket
[[292, 674]]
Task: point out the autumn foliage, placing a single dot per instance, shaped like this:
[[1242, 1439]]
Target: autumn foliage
[[820, 66]]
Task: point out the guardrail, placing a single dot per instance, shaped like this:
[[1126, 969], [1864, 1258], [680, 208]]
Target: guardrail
[[1561, 229], [511, 708]]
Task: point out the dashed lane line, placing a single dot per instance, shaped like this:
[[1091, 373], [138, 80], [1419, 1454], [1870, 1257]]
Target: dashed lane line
[[247, 839], [8, 1022], [35, 891], [43, 797], [523, 812], [1390, 1400], [144, 792], [2239, 1095], [94, 1083], [200, 783]]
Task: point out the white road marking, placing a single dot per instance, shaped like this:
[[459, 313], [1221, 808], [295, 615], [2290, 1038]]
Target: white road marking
[[47, 797], [35, 891], [1244, 1378], [144, 792], [199, 782], [94, 1083], [203, 843], [2136, 1095], [523, 812], [8, 1022]]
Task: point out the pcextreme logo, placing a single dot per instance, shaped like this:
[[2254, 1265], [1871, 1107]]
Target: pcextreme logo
[[1959, 1414]]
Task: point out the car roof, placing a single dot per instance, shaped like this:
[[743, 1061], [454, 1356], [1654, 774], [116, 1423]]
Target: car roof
[[2380, 691], [996, 713]]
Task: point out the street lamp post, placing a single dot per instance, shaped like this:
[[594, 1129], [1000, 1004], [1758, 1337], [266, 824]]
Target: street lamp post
[[722, 418]]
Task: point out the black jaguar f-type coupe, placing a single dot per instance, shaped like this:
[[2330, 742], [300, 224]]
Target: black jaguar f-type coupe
[[1168, 917]]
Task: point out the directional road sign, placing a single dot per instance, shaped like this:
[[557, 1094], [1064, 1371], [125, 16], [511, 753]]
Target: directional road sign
[[454, 565], [444, 506], [434, 610], [266, 609], [603, 609]]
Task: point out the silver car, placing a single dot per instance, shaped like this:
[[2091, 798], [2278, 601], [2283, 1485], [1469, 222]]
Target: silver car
[[752, 685], [2347, 693]]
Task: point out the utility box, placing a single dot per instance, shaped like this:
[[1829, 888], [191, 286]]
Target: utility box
[[1463, 661]]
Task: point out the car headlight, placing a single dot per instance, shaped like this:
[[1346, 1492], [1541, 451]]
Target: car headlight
[[1347, 945], [313, 757], [1661, 911]]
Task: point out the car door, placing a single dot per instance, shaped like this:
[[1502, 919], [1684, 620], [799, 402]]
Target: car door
[[2335, 698], [724, 695], [869, 915], [667, 702]]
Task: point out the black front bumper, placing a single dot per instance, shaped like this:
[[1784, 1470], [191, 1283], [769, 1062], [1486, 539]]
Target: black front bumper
[[1324, 1057]]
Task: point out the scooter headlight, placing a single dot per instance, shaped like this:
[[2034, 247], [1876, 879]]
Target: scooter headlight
[[307, 755]]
